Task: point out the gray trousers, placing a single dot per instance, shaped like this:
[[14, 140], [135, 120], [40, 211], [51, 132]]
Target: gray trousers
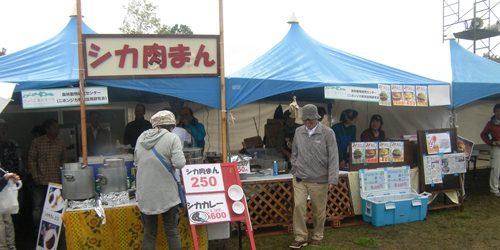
[[170, 225], [7, 232], [495, 169]]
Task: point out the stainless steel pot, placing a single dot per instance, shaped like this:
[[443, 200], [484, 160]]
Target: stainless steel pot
[[114, 163], [73, 166], [78, 184], [112, 179]]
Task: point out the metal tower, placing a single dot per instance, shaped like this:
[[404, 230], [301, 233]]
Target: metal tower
[[474, 24]]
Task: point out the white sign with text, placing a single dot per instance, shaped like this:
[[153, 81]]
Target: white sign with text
[[202, 178], [207, 208]]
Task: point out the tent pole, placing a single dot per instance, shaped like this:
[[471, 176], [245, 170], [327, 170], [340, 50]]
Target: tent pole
[[222, 85], [82, 83]]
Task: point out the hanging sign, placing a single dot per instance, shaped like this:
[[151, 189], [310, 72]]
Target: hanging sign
[[63, 97], [352, 93], [202, 178], [422, 96], [384, 95]]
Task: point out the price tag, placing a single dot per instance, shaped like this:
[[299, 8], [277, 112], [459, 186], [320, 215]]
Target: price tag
[[200, 178], [208, 208]]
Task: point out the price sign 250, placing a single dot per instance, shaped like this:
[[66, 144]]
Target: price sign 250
[[203, 181]]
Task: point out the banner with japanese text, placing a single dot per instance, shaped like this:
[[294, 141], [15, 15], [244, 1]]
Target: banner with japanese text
[[63, 97], [352, 93], [109, 56]]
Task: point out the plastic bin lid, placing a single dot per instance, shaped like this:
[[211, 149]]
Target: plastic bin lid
[[380, 181]]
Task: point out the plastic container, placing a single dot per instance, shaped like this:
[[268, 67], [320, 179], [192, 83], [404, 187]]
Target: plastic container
[[275, 168], [387, 198]]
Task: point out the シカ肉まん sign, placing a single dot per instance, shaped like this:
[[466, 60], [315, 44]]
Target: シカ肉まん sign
[[150, 56]]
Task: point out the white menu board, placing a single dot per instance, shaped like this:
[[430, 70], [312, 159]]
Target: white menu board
[[202, 178], [50, 223], [207, 208]]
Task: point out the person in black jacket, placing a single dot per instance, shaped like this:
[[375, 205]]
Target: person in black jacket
[[135, 128], [98, 138]]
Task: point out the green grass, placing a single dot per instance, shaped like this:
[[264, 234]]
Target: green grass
[[477, 227]]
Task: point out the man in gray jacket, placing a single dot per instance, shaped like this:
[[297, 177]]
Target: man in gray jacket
[[156, 188], [315, 169]]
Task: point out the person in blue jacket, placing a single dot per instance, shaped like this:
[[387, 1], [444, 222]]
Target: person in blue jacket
[[345, 132], [193, 127]]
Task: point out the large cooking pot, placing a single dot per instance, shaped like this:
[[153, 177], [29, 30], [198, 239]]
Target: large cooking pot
[[114, 163], [73, 166], [77, 184], [112, 179]]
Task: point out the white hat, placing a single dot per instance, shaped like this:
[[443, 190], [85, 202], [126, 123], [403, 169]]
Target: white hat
[[163, 118]]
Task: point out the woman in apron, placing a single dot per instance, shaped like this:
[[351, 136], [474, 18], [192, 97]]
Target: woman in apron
[[345, 133]]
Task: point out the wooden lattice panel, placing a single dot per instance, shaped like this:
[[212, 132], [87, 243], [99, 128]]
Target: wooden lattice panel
[[339, 203], [269, 202]]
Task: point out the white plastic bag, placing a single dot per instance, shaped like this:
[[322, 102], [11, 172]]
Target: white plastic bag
[[8, 198]]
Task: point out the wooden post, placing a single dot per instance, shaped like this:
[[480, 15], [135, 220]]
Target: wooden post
[[82, 82], [222, 85]]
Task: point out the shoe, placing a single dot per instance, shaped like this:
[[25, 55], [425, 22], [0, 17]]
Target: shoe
[[298, 244], [497, 194], [314, 242], [11, 247]]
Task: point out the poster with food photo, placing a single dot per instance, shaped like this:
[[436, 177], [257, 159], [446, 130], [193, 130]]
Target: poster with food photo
[[409, 95], [358, 152], [398, 151], [465, 146], [371, 152], [397, 95], [384, 95], [421, 93], [438, 143], [384, 147]]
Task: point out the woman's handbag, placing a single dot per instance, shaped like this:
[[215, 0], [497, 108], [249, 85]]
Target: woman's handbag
[[182, 195], [8, 198]]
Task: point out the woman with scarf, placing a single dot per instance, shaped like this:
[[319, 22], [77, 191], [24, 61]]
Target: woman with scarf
[[491, 136]]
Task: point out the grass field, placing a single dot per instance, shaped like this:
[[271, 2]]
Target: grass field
[[477, 227]]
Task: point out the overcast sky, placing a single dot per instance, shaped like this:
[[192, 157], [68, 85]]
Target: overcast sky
[[403, 34]]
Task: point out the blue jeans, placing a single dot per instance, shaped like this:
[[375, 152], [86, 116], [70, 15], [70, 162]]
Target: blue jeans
[[170, 226], [38, 193]]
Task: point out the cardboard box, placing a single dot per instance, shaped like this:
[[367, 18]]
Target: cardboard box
[[272, 132], [253, 142]]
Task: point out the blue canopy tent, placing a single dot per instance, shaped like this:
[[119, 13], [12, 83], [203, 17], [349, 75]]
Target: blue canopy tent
[[473, 77], [54, 63], [298, 62]]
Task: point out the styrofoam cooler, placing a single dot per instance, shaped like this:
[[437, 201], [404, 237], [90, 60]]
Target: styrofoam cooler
[[387, 197]]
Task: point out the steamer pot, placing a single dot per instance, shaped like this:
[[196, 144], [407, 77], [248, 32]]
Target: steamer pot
[[112, 179], [78, 184]]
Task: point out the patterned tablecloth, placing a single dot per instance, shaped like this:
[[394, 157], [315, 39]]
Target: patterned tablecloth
[[123, 230]]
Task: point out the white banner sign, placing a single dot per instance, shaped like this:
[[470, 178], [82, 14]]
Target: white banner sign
[[116, 56], [63, 97], [207, 208], [352, 93], [202, 178]]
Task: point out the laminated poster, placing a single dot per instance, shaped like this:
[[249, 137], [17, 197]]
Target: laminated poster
[[432, 169], [397, 95], [398, 178], [398, 151], [422, 100], [371, 152], [384, 95], [453, 163], [384, 147], [50, 223], [409, 95], [358, 152], [438, 143], [373, 180], [465, 146]]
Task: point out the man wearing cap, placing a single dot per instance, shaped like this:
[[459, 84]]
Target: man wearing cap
[[157, 191], [315, 169]]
